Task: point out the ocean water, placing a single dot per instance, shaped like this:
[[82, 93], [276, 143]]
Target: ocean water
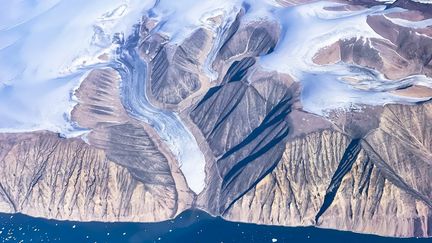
[[191, 226]]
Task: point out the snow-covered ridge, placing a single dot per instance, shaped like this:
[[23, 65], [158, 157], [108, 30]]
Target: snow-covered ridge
[[423, 1], [308, 28], [418, 1], [305, 29], [47, 46], [411, 24]]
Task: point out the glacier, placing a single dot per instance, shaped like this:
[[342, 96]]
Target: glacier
[[305, 29], [48, 47], [133, 71]]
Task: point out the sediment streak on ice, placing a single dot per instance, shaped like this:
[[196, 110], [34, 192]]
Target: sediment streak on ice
[[166, 123]]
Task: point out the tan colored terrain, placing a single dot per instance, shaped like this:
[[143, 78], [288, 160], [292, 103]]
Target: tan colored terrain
[[386, 192], [125, 174], [415, 91], [401, 52], [46, 176], [267, 160]]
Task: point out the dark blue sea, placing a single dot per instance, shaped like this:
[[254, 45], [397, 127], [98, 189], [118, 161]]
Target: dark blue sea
[[191, 226]]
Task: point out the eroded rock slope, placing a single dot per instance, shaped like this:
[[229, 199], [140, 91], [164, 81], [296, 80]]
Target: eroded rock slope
[[124, 174], [268, 161]]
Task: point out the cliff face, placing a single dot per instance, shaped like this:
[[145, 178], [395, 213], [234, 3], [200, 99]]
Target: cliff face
[[268, 161], [244, 135], [126, 141], [124, 174], [47, 176], [396, 160], [377, 184], [293, 192], [365, 171]]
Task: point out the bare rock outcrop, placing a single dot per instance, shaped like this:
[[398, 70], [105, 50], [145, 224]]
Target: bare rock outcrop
[[365, 171], [244, 122], [46, 176], [402, 52], [175, 70], [246, 40], [294, 191], [267, 160], [125, 174], [378, 184]]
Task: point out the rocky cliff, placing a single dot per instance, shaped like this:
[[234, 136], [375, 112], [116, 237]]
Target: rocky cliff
[[123, 173], [378, 183], [366, 171], [366, 168]]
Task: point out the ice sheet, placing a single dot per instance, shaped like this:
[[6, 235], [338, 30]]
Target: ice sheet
[[166, 123], [45, 47], [308, 28], [305, 29]]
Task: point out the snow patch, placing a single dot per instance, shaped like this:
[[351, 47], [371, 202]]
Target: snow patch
[[411, 24], [423, 1]]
